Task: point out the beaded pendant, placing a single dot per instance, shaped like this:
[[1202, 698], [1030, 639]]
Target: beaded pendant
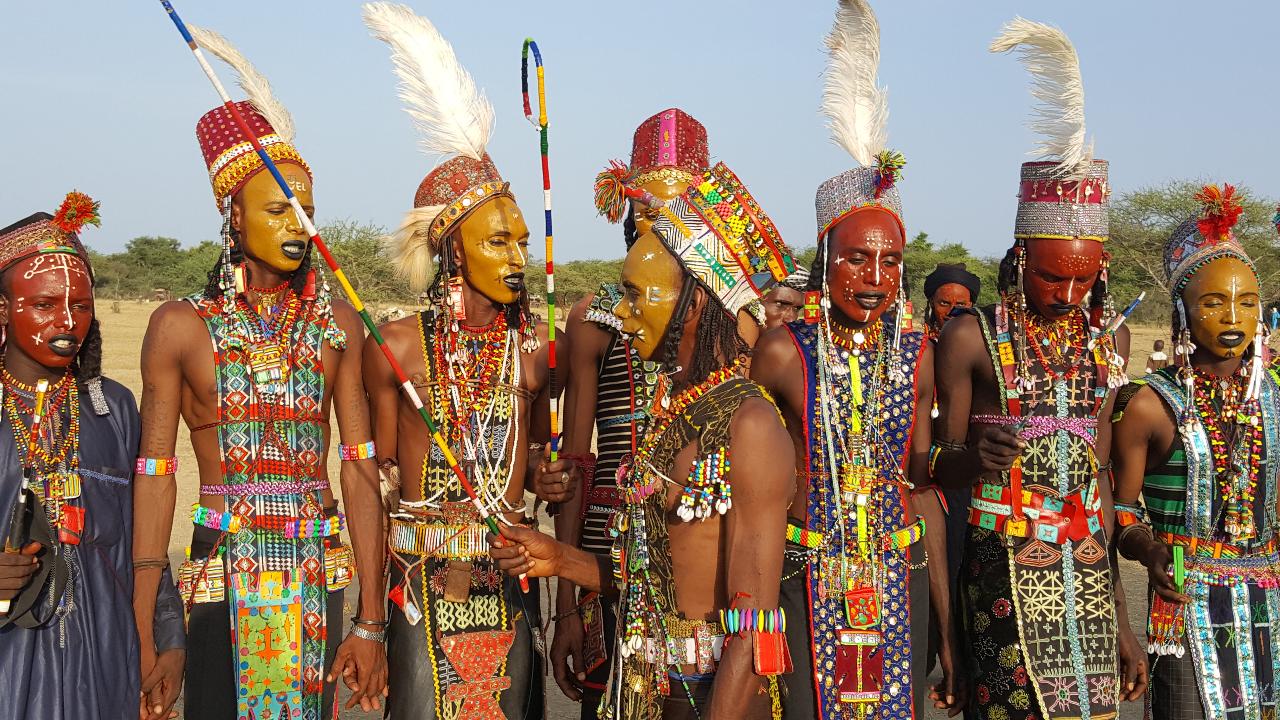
[[708, 489]]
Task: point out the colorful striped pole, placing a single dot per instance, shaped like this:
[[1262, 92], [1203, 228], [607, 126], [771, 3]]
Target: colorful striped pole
[[405, 384], [541, 125]]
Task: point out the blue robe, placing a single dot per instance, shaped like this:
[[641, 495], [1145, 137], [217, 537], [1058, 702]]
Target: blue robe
[[85, 667]]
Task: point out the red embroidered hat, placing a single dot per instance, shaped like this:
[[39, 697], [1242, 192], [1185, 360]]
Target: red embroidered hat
[[458, 187], [42, 233], [670, 146], [230, 156]]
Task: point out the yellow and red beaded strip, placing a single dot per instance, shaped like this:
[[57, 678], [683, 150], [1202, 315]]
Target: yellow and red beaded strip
[[156, 466], [358, 451]]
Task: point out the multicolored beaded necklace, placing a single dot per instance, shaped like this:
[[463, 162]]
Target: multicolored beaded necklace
[[1057, 343], [1233, 424]]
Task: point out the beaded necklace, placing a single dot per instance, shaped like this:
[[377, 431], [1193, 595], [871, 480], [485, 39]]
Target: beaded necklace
[[1057, 343], [54, 455], [1233, 424]]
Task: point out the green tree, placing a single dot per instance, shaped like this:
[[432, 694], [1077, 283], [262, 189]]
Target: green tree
[[358, 249]]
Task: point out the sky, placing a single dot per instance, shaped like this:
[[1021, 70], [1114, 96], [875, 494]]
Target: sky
[[103, 97]]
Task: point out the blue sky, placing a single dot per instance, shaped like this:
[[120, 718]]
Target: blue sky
[[103, 97]]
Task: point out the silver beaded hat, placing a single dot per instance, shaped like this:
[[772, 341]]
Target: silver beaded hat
[[857, 111], [1066, 194]]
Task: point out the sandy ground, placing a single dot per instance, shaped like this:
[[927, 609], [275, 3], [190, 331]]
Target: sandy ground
[[123, 332]]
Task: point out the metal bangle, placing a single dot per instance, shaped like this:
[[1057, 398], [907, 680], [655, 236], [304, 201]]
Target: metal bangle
[[379, 637], [362, 621]]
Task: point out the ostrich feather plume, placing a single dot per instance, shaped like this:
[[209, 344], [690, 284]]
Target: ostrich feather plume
[[254, 83], [452, 116], [1047, 53], [857, 109], [410, 248]]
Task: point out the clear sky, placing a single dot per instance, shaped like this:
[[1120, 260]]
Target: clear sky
[[104, 96]]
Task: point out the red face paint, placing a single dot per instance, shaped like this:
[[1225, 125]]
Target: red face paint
[[864, 266], [50, 307], [1059, 274], [947, 298]]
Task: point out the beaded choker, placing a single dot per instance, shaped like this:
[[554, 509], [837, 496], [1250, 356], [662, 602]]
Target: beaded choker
[[864, 339]]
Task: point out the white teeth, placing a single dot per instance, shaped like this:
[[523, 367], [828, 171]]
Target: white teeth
[[61, 344]]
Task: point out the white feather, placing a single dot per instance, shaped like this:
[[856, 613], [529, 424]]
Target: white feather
[[254, 83], [411, 251], [1047, 53], [857, 109], [453, 117]]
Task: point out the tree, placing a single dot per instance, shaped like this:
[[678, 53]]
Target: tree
[[358, 249]]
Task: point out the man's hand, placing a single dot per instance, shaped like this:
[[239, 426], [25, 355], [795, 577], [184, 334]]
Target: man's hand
[[948, 694], [16, 570], [524, 550], [998, 447], [568, 643], [1133, 664], [161, 685], [556, 482], [362, 664], [1159, 561]]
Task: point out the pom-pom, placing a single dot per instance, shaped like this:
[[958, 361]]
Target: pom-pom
[[77, 210], [1221, 211], [889, 164], [611, 191]]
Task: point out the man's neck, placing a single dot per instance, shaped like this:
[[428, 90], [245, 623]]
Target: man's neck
[[1206, 362], [22, 368], [845, 327], [480, 310]]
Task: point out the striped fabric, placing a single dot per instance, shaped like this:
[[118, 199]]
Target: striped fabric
[[613, 441], [1165, 492]]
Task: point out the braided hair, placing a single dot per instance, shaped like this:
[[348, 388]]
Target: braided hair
[[716, 341], [213, 281]]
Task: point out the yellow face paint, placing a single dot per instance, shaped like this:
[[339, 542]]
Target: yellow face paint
[[494, 245], [268, 229], [651, 281], [1223, 306]]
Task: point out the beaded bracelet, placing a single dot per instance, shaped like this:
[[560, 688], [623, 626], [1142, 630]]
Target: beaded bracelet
[[1127, 514], [736, 621], [358, 451], [156, 466]]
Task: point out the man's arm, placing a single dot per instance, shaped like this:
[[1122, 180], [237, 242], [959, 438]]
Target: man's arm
[[754, 532], [155, 496], [384, 397], [361, 663]]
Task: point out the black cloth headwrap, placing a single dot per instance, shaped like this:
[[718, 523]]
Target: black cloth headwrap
[[947, 273]]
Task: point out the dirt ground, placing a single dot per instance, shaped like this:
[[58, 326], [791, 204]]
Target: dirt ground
[[123, 332]]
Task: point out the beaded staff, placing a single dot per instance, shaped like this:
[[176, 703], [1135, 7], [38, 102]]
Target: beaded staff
[[540, 123], [405, 384]]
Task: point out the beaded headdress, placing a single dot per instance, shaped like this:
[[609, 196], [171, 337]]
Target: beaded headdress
[[723, 238], [230, 157], [1065, 196], [42, 233], [454, 119], [857, 111], [1205, 236], [670, 146]]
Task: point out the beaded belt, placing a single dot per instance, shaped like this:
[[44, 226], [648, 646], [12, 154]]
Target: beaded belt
[[1038, 426], [277, 487], [606, 496], [284, 525], [687, 642], [896, 540], [1215, 548], [1261, 569], [439, 540], [201, 581], [1052, 520]]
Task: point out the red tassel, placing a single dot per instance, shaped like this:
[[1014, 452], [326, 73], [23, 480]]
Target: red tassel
[[309, 288]]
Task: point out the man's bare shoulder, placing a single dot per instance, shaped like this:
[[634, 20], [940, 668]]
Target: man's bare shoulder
[[400, 333], [776, 347], [172, 323]]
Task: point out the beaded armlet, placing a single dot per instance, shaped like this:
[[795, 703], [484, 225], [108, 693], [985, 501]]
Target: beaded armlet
[[156, 466], [357, 451], [708, 488]]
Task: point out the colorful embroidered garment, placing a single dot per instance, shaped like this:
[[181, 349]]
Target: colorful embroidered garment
[[460, 644], [1036, 590], [1234, 615], [270, 397], [858, 578]]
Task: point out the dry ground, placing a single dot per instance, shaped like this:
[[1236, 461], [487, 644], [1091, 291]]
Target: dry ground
[[123, 333]]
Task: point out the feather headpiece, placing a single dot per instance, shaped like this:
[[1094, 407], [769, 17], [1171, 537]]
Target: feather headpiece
[[857, 109], [1049, 56], [1205, 236], [452, 116], [254, 83]]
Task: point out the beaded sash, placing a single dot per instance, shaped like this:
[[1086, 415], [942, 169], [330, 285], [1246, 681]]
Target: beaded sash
[[1233, 619], [276, 585], [1061, 587], [835, 631]]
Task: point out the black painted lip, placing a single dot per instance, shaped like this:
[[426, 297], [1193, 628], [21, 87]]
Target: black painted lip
[[293, 249], [515, 281], [1231, 338], [61, 352]]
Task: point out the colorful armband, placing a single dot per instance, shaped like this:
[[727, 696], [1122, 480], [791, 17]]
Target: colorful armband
[[358, 451], [767, 629], [156, 466], [1127, 515]]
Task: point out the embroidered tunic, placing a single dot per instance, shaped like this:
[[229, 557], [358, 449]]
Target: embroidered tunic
[[83, 664], [1234, 615], [859, 611]]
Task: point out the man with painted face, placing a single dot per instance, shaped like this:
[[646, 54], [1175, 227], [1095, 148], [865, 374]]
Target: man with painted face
[[266, 566], [68, 646], [464, 641], [784, 303], [699, 536], [1020, 388], [609, 391], [865, 530], [1195, 442], [949, 287]]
